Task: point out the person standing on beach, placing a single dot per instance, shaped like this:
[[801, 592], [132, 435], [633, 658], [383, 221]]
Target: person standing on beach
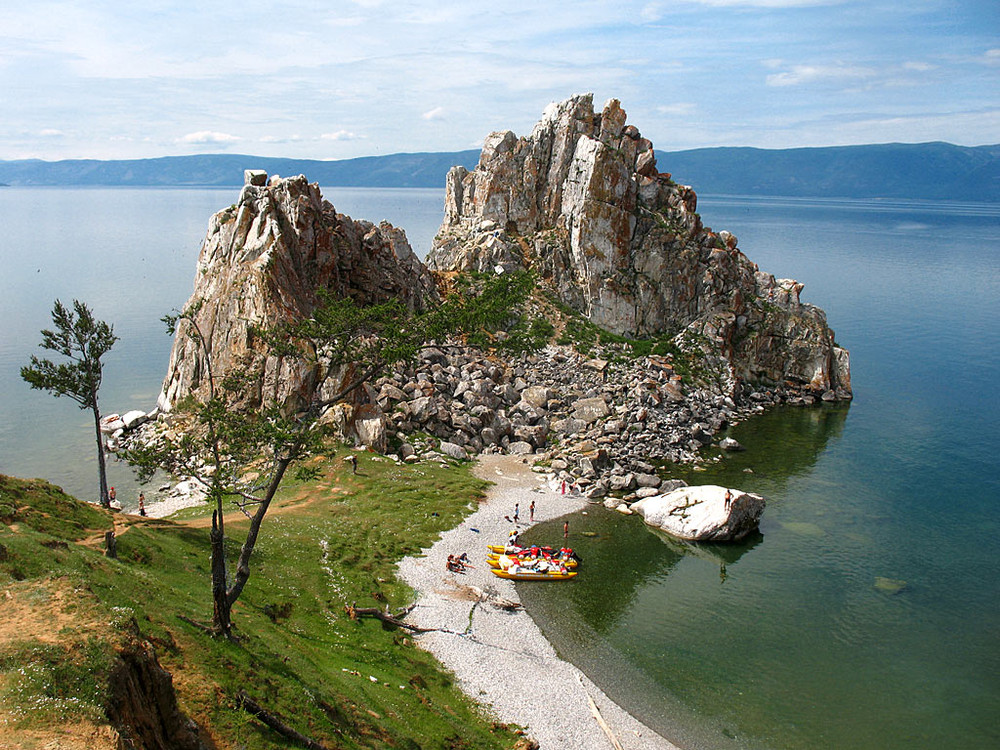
[[531, 511], [565, 529], [142, 504], [517, 512]]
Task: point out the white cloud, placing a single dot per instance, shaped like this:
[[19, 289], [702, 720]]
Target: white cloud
[[677, 109], [434, 114], [651, 12], [280, 138], [766, 3], [209, 136], [800, 74], [51, 133], [341, 135]]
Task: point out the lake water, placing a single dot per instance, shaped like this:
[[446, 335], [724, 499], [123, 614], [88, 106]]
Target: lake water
[[867, 612], [130, 254], [794, 639]]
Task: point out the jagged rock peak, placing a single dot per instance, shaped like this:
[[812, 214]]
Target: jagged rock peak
[[263, 261], [581, 201]]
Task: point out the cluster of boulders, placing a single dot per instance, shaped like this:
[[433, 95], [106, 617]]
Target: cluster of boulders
[[114, 427], [592, 422]]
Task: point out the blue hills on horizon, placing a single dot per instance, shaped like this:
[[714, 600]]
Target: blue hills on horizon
[[927, 171]]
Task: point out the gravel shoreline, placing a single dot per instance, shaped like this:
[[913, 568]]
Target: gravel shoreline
[[500, 657]]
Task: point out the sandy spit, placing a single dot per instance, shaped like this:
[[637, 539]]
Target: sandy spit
[[500, 657]]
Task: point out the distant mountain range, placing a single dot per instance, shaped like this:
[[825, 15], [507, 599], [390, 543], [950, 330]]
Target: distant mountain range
[[929, 171]]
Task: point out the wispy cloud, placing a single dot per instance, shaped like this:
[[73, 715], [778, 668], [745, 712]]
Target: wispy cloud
[[801, 74], [209, 137], [677, 109], [341, 135], [375, 76], [280, 139], [764, 3]]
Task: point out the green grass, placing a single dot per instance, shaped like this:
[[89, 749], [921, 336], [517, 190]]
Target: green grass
[[51, 684], [327, 543]]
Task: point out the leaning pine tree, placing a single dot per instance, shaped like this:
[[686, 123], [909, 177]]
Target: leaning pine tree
[[82, 340], [264, 443]]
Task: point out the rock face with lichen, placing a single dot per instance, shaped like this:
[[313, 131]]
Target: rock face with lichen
[[264, 261], [581, 201]]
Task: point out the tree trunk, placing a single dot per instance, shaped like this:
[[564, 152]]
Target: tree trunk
[[102, 471], [243, 566], [221, 614]]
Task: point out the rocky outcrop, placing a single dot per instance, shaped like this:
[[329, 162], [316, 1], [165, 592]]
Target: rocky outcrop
[[700, 513], [581, 201], [264, 261], [142, 704]]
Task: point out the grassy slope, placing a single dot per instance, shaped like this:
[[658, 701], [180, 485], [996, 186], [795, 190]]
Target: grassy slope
[[326, 543]]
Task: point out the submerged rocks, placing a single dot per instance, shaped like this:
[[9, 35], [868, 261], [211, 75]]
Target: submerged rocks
[[700, 513]]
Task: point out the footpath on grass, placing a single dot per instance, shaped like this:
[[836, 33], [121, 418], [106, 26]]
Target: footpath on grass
[[499, 656]]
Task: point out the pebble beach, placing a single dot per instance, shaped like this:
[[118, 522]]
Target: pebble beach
[[499, 656]]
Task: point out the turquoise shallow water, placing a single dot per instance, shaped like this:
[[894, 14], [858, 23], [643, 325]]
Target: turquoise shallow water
[[793, 640], [792, 645]]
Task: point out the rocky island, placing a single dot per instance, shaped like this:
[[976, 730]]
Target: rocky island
[[621, 257], [659, 333]]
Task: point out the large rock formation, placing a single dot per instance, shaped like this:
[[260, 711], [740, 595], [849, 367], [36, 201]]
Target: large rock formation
[[700, 513], [263, 262], [581, 201]]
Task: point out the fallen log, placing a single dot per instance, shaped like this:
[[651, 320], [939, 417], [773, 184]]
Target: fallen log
[[354, 612], [600, 720], [253, 708]]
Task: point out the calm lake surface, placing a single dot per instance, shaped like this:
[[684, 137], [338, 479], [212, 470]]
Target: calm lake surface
[[794, 639]]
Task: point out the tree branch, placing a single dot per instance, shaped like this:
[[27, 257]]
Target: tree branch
[[252, 707]]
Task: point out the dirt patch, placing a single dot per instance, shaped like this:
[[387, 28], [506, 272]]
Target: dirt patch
[[305, 497], [81, 736], [47, 610]]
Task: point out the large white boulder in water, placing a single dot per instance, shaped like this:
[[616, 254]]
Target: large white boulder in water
[[699, 513]]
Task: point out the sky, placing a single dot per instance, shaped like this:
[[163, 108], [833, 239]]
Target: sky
[[347, 78]]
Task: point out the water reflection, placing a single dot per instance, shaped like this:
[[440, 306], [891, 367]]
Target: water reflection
[[782, 443], [643, 615], [716, 553]]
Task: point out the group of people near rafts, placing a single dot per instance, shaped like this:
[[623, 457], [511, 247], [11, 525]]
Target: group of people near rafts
[[537, 560], [458, 564]]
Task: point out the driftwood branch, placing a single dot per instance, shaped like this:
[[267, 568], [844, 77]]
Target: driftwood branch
[[252, 707], [354, 612], [600, 720], [200, 625]]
